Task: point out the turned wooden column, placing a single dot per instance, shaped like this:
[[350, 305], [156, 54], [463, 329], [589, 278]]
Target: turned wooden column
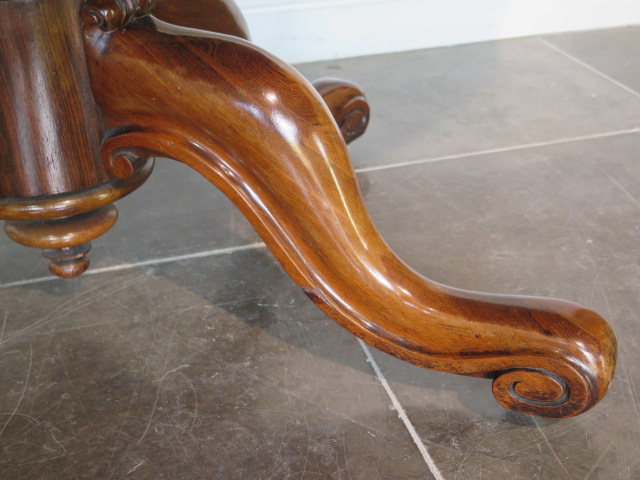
[[50, 132], [50, 128]]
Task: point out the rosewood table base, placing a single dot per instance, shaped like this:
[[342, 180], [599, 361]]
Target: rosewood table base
[[96, 89]]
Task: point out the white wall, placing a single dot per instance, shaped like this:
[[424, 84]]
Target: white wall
[[308, 30]]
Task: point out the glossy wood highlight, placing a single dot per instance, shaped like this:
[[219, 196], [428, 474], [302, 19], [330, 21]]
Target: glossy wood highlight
[[262, 134]]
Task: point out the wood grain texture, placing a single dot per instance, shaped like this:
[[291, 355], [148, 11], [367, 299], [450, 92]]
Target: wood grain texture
[[262, 134], [49, 130]]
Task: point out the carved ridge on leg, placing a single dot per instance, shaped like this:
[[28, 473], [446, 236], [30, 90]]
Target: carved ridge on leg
[[258, 131]]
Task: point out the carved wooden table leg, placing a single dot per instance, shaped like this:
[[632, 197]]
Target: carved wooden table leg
[[261, 133]]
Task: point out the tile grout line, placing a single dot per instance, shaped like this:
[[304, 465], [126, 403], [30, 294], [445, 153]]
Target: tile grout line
[[402, 414], [498, 150], [587, 66], [144, 263]]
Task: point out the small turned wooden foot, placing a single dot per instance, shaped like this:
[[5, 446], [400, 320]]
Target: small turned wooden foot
[[68, 262], [65, 241]]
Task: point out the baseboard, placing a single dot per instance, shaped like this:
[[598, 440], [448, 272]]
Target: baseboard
[[308, 30]]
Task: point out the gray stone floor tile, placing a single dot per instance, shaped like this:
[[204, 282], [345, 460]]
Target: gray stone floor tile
[[555, 221], [607, 51], [210, 368], [447, 101]]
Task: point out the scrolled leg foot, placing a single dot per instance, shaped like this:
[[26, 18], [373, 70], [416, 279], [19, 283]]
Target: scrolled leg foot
[[262, 134], [348, 106]]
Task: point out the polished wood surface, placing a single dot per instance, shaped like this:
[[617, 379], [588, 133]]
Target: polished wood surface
[[348, 105], [261, 133], [49, 129], [66, 240], [68, 262], [346, 100], [63, 232], [75, 203]]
